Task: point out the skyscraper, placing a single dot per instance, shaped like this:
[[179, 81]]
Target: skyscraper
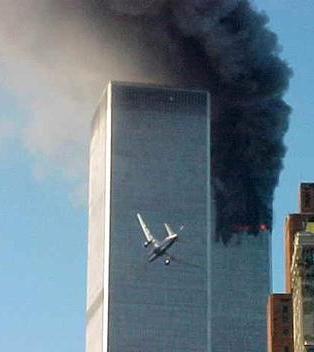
[[150, 154]]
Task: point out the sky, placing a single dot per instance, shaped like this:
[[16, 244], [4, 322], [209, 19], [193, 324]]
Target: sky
[[43, 227]]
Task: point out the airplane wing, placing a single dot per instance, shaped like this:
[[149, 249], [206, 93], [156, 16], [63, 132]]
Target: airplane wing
[[169, 230], [147, 233]]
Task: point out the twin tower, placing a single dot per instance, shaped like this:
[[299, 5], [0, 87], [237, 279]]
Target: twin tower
[[150, 154]]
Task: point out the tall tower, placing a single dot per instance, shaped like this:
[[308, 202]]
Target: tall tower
[[150, 154]]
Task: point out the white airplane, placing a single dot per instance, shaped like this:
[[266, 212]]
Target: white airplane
[[159, 247]]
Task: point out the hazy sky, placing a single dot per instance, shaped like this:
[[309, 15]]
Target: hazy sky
[[43, 228]]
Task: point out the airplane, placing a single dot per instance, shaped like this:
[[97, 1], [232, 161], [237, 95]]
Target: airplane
[[159, 247]]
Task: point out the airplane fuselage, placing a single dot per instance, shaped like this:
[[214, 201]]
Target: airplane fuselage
[[160, 248]]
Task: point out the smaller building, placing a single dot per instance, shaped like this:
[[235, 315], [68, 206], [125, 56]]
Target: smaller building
[[302, 275], [280, 323], [291, 315], [296, 223]]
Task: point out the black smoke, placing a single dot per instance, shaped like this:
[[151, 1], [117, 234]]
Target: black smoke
[[224, 47]]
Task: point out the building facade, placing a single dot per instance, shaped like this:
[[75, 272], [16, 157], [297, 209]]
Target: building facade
[[296, 223], [280, 323], [150, 154], [307, 198], [240, 286], [299, 253], [303, 291]]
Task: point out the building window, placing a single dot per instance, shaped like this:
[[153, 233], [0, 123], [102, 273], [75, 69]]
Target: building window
[[307, 199], [285, 332], [285, 313], [308, 256]]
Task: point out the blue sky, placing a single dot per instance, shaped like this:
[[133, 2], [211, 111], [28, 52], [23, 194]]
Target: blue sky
[[42, 257], [43, 230]]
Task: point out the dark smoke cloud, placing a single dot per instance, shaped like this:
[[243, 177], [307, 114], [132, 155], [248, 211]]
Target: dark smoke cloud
[[225, 47]]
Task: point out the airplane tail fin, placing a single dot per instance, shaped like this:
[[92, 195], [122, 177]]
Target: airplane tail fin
[[169, 230]]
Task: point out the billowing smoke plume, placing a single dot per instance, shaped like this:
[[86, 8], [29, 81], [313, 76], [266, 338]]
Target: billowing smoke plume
[[223, 46]]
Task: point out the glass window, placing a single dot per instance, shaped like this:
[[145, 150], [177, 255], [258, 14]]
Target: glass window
[[285, 313], [286, 332]]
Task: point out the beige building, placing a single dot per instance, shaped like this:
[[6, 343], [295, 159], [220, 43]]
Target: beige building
[[283, 336], [296, 223], [302, 277]]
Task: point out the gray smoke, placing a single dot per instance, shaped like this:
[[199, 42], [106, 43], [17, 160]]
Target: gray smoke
[[223, 46]]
